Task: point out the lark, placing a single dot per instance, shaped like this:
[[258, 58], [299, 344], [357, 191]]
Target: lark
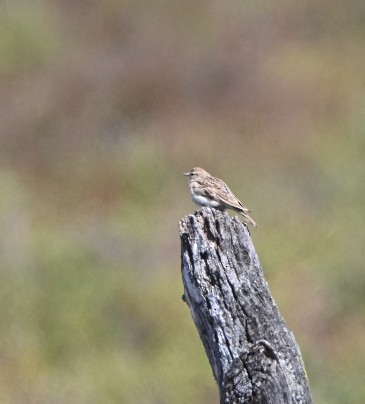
[[210, 191]]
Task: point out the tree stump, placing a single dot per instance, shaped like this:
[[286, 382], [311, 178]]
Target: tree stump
[[254, 356]]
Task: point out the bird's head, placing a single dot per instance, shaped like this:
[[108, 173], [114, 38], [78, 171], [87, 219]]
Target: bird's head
[[197, 172]]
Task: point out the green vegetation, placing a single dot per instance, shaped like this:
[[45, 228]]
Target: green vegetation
[[103, 107]]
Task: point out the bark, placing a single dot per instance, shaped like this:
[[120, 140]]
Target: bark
[[253, 354]]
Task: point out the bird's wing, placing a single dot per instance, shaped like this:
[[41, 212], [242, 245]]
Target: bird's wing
[[218, 189]]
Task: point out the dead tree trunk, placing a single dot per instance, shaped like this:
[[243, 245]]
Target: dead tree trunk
[[254, 356]]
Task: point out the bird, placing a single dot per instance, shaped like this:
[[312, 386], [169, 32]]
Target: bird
[[210, 191]]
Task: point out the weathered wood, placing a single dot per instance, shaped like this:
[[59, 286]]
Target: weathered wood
[[254, 356]]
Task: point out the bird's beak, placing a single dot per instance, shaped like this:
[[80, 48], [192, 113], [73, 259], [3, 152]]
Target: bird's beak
[[186, 173]]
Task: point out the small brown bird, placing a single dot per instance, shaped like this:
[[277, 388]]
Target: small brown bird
[[210, 191]]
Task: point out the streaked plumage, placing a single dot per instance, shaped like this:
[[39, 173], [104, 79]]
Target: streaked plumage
[[210, 191]]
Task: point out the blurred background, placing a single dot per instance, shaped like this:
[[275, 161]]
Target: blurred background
[[103, 106]]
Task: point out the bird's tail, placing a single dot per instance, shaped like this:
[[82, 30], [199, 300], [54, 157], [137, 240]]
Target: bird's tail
[[248, 218]]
